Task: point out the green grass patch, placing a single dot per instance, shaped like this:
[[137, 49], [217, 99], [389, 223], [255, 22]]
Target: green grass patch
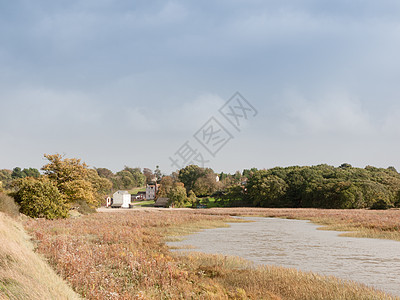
[[146, 203], [137, 190]]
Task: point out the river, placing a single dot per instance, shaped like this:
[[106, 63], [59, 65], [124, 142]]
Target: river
[[298, 244]]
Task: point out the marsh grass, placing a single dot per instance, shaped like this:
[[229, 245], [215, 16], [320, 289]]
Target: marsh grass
[[8, 205], [124, 256], [23, 273]]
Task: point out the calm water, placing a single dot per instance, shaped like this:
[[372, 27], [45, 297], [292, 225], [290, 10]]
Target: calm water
[[298, 244]]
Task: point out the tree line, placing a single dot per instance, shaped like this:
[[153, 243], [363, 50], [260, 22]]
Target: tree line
[[320, 186], [68, 183]]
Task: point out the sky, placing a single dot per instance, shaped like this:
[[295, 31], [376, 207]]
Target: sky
[[147, 83]]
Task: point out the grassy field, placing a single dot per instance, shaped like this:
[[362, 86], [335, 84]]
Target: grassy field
[[23, 273], [122, 255], [145, 203], [137, 189]]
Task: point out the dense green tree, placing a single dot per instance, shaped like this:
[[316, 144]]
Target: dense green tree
[[189, 175], [166, 185], [266, 190], [138, 178], [202, 181], [321, 186], [177, 195], [31, 172], [234, 195], [128, 178], [40, 198], [105, 173], [191, 197], [124, 180], [17, 173], [206, 185]]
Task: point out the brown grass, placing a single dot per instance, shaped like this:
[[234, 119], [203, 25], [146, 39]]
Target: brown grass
[[123, 256], [8, 205], [23, 273]]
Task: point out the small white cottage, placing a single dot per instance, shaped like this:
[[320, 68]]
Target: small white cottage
[[121, 199]]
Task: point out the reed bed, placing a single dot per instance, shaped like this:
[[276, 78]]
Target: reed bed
[[123, 256]]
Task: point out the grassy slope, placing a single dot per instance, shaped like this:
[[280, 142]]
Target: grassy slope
[[122, 255], [23, 273]]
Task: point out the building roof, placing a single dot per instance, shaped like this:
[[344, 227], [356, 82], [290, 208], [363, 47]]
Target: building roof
[[161, 202], [122, 192]]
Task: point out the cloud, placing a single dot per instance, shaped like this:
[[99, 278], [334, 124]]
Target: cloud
[[334, 113], [77, 73]]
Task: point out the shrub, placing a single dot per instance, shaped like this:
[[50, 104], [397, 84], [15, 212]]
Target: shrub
[[40, 198], [84, 208], [380, 204], [8, 205]]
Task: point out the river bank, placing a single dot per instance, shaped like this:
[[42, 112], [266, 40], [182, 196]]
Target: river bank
[[298, 244], [123, 255]]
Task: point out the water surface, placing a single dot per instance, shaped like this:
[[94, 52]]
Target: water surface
[[298, 244]]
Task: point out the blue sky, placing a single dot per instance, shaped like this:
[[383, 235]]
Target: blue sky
[[129, 82]]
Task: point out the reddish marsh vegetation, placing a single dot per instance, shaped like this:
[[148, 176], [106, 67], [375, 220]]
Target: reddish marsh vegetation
[[123, 256]]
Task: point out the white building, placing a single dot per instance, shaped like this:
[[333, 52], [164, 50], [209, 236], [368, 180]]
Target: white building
[[121, 199], [151, 191]]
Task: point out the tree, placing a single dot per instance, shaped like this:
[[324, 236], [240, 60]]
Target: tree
[[148, 174], [17, 173], [74, 180], [101, 186], [345, 166], [233, 196], [177, 195], [205, 185], [191, 198], [124, 180], [31, 172], [138, 178], [105, 173], [166, 185], [189, 175], [40, 198], [157, 173], [266, 190]]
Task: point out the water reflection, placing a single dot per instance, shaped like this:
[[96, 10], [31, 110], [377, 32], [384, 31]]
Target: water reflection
[[297, 244]]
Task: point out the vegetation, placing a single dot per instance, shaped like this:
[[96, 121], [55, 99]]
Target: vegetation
[[319, 186], [40, 198], [66, 183], [23, 273], [123, 256], [202, 181], [8, 205], [128, 178], [18, 173]]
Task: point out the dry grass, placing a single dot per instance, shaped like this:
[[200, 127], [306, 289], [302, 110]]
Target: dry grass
[[23, 274], [8, 205], [123, 256]]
